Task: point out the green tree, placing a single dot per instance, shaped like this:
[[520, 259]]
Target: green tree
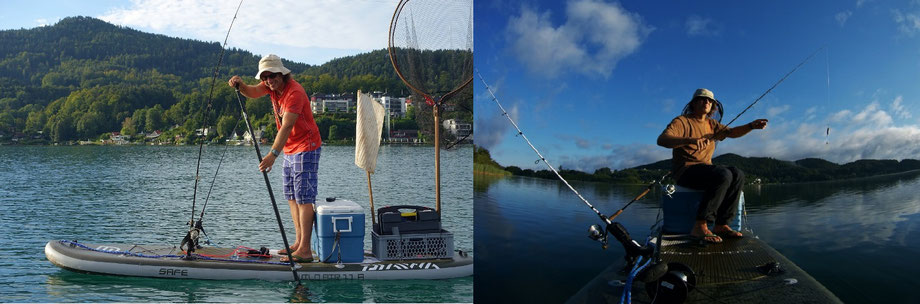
[[7, 121], [127, 127], [271, 130], [154, 119], [225, 125], [333, 132], [140, 121], [89, 125], [35, 121], [62, 128]]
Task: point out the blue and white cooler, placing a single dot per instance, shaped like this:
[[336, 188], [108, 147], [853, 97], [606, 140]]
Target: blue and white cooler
[[340, 231], [679, 210]]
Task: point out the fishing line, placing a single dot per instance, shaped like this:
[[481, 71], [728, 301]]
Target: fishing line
[[214, 179], [204, 118], [776, 84], [521, 133], [827, 65]]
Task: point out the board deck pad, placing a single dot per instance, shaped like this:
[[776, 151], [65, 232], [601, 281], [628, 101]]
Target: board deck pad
[[725, 272]]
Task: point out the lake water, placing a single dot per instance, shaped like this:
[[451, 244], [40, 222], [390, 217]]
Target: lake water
[[143, 195], [860, 238]]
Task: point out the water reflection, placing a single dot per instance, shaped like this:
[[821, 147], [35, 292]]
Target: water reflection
[[847, 234], [143, 195], [833, 216], [482, 182]]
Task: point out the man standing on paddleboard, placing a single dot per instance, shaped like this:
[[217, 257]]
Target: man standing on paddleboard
[[298, 139], [692, 137]]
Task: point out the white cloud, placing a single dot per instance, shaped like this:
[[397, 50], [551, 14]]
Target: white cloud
[[699, 26], [908, 23], [595, 36], [307, 31], [811, 110], [839, 116], [581, 143], [774, 111], [491, 125], [46, 22], [620, 157], [872, 115], [899, 109], [869, 133], [492, 129], [842, 17]]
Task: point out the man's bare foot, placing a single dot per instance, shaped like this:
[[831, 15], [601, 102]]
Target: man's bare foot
[[725, 231], [293, 249], [701, 232]]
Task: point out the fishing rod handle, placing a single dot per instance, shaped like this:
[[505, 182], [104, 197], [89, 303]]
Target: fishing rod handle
[[615, 215]]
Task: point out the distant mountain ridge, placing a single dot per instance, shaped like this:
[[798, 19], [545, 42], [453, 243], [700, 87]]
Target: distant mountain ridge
[[83, 78], [768, 170]]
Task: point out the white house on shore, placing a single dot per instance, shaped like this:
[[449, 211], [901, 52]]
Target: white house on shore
[[396, 106], [457, 127]]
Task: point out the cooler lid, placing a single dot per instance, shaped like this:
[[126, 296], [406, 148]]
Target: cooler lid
[[337, 206]]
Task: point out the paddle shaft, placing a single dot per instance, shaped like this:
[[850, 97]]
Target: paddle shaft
[[268, 185]]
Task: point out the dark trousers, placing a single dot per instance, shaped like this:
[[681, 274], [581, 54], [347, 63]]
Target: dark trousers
[[722, 189]]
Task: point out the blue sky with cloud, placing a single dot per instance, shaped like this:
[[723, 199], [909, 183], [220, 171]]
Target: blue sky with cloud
[[593, 82], [314, 31]]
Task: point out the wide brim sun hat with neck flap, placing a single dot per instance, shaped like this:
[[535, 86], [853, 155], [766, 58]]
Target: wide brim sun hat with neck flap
[[271, 63], [701, 92]]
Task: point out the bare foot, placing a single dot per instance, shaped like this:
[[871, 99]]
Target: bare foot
[[701, 232], [293, 248], [303, 253], [725, 231]]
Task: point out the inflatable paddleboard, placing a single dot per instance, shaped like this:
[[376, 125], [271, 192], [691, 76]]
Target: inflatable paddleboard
[[239, 264]]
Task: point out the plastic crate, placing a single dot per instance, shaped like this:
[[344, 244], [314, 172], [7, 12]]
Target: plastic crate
[[416, 246]]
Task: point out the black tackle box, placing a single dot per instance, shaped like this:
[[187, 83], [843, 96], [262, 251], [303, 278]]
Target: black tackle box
[[406, 219]]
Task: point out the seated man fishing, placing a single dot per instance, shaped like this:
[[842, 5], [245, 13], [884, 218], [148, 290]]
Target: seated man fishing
[[692, 137]]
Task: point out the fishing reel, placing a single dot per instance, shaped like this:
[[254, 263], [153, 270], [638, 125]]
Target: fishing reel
[[668, 283], [595, 232], [191, 238], [633, 249]]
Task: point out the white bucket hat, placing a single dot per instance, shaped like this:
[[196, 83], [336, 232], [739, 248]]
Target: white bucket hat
[[271, 63], [699, 93]]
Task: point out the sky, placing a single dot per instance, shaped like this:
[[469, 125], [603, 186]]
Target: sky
[[592, 83], [308, 31]]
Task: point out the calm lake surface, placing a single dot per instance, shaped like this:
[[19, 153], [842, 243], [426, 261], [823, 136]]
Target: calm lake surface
[[143, 195], [860, 238]]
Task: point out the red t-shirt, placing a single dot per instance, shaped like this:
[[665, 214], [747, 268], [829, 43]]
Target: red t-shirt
[[305, 134]]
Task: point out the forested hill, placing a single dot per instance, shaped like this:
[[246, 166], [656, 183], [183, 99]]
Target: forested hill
[[83, 77], [768, 170]]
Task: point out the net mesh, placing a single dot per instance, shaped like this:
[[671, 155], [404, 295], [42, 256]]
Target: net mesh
[[431, 46]]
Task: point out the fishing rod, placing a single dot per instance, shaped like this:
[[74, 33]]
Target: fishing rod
[[521, 133], [776, 84], [195, 228], [271, 194]]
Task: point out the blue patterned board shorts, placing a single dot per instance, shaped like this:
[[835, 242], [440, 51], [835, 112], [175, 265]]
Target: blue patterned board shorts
[[299, 173]]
